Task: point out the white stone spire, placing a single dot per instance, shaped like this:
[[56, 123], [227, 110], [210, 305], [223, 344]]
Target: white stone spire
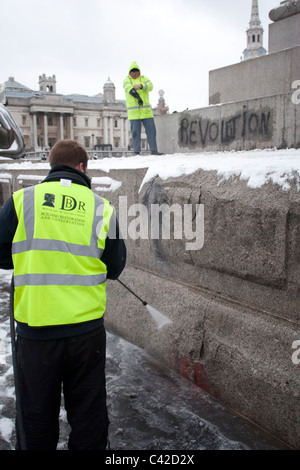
[[255, 21], [255, 35]]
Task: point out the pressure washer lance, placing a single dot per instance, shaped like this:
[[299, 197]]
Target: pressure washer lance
[[160, 319]]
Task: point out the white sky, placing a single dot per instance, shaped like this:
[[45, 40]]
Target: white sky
[[175, 42]]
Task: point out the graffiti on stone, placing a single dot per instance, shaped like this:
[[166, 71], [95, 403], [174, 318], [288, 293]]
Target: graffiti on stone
[[198, 131]]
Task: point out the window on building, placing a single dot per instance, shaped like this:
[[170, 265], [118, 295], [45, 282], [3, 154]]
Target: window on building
[[253, 37], [98, 122], [74, 122], [86, 122], [24, 119], [87, 142], [116, 143], [116, 123], [50, 121]]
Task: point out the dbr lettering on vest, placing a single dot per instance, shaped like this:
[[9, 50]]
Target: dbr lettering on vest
[[69, 203]]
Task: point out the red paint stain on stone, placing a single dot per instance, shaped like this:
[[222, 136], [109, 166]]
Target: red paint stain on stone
[[194, 372]]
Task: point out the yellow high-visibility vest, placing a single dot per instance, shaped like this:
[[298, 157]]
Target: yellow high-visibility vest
[[134, 111], [58, 275]]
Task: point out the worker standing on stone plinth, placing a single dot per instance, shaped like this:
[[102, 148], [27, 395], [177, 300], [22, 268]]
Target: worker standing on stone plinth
[[137, 88]]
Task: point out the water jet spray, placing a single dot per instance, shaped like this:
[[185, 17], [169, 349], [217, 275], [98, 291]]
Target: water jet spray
[[160, 319]]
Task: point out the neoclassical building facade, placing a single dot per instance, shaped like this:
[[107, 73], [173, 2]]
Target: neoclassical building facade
[[45, 116]]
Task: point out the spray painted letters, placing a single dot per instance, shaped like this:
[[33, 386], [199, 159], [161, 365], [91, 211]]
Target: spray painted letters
[[197, 131]]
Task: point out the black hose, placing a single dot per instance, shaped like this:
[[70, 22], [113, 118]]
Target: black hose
[[19, 421]]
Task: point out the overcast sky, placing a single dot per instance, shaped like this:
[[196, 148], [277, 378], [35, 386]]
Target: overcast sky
[[175, 42]]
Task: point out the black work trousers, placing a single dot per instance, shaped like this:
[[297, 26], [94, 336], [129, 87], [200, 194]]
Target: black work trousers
[[78, 365]]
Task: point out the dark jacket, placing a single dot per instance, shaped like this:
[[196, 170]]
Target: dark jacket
[[114, 256]]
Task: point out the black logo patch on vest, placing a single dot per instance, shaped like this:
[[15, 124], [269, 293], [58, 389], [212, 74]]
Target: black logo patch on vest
[[49, 200]]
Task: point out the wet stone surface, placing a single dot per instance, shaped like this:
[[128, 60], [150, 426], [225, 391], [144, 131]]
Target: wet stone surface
[[150, 407]]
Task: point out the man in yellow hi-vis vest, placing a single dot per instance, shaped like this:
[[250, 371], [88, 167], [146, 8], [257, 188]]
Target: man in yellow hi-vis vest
[[63, 242], [137, 88]]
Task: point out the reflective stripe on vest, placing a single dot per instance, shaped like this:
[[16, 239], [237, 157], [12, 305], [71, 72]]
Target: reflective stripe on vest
[[58, 280], [139, 107]]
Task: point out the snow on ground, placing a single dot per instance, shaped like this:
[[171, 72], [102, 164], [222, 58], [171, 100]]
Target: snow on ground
[[257, 167], [7, 390]]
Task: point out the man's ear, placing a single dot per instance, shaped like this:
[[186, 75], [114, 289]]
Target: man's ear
[[81, 167]]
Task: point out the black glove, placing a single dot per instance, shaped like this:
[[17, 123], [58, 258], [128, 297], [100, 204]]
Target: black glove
[[135, 94]]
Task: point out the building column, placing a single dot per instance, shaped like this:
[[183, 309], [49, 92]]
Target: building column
[[71, 128], [105, 125], [122, 133], [35, 144], [111, 131], [46, 143], [61, 122], [126, 133]]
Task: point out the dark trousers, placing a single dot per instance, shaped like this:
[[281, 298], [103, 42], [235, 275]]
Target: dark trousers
[[78, 365]]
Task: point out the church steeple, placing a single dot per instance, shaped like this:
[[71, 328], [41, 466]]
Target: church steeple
[[255, 35]]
